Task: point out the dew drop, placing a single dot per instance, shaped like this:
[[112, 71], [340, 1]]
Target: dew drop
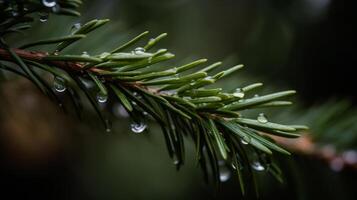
[[59, 84], [243, 141], [224, 172], [108, 126], [14, 13], [43, 17], [256, 165], [208, 78], [49, 3], [256, 96], [85, 54], [139, 50], [145, 113], [175, 160], [104, 55], [233, 166], [102, 98], [138, 127], [262, 118], [238, 93]]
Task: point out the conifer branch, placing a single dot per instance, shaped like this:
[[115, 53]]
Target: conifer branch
[[180, 99]]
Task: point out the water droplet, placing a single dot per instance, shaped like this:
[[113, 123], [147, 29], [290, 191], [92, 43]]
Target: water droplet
[[59, 84], [350, 157], [224, 172], [75, 27], [49, 3], [208, 78], [85, 54], [243, 141], [175, 160], [102, 98], [256, 96], [138, 127], [139, 50], [262, 118], [233, 166], [238, 93], [256, 165], [337, 164], [108, 126], [43, 17], [14, 13], [104, 55], [145, 113]]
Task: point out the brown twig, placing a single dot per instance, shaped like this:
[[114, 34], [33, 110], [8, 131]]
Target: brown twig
[[305, 145], [38, 57]]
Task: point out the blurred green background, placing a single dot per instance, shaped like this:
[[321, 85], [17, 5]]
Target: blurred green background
[[301, 44]]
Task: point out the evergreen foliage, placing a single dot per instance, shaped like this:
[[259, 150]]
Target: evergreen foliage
[[181, 99]]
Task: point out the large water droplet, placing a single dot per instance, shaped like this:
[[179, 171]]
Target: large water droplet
[[238, 93], [256, 165], [49, 3], [59, 84], [262, 118], [224, 172], [102, 98], [138, 127], [139, 50]]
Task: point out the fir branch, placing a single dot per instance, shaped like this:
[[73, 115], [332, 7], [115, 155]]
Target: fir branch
[[176, 98]]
